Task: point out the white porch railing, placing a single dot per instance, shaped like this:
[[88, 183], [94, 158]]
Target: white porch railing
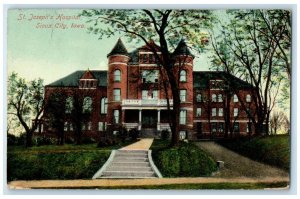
[[141, 102]]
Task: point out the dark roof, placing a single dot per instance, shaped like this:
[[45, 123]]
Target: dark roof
[[201, 79], [182, 49], [134, 57], [119, 48], [73, 78]]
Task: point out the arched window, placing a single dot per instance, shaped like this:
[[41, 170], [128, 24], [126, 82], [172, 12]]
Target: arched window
[[69, 104], [220, 98], [104, 105], [214, 98], [248, 98], [87, 105], [235, 98], [182, 77], [117, 76], [199, 97]]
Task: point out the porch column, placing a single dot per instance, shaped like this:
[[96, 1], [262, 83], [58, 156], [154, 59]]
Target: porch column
[[140, 119], [158, 119]]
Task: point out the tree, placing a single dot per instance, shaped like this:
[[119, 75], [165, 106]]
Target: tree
[[276, 121], [80, 114], [55, 108], [25, 101], [163, 26], [246, 48]]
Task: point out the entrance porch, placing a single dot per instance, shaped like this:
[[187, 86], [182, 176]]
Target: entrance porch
[[146, 119]]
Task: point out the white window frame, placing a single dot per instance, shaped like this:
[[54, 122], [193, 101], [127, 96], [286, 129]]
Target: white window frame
[[117, 75], [198, 112], [220, 98], [214, 98], [87, 105], [235, 98], [117, 94], [182, 135], [103, 105], [214, 112], [69, 104], [220, 112], [235, 112], [248, 98], [183, 76], [182, 95], [182, 116], [199, 97], [116, 116]]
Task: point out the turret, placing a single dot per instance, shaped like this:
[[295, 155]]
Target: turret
[[117, 83]]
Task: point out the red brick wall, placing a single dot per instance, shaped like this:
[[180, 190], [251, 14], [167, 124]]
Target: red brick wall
[[96, 94]]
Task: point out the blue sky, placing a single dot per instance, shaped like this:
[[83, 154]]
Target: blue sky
[[38, 46]]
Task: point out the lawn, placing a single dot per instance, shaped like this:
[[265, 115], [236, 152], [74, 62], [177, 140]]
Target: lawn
[[273, 150], [56, 162], [186, 160]]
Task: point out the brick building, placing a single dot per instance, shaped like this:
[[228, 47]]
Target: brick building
[[131, 94]]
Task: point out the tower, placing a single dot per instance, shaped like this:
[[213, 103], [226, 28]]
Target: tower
[[116, 85], [184, 69]]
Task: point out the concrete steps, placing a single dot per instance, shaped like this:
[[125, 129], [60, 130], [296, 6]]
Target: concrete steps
[[128, 164]]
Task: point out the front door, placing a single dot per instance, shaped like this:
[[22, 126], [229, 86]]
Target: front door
[[149, 119]]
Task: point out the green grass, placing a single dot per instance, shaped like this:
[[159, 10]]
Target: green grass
[[189, 186], [273, 150], [63, 148], [56, 162], [186, 160]]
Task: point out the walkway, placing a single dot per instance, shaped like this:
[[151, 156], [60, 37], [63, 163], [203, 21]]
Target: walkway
[[81, 184], [143, 144], [237, 165]]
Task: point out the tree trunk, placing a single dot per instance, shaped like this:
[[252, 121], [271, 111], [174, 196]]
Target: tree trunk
[[29, 139]]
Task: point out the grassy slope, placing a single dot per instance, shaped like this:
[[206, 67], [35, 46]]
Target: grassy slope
[[187, 160], [273, 150], [56, 162]]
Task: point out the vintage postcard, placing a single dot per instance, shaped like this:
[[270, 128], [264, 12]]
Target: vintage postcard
[[161, 99]]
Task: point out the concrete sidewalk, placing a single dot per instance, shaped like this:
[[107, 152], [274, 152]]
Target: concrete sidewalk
[[81, 184], [143, 144]]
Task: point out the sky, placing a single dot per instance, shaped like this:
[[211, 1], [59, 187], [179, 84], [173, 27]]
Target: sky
[[39, 46]]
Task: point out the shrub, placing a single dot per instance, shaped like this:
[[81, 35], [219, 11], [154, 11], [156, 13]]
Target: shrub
[[134, 134], [165, 134], [187, 160], [11, 139], [60, 165], [123, 134], [106, 141], [88, 140], [39, 141]]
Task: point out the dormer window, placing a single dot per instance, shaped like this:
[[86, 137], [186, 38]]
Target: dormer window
[[88, 83]]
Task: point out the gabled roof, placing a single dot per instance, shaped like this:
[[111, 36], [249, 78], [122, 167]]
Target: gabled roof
[[118, 49], [72, 79], [201, 79], [88, 75], [182, 49]]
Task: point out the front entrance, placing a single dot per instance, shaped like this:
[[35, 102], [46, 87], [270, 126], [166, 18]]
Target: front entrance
[[149, 119]]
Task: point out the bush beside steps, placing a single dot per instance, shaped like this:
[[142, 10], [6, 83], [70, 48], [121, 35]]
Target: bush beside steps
[[186, 160]]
